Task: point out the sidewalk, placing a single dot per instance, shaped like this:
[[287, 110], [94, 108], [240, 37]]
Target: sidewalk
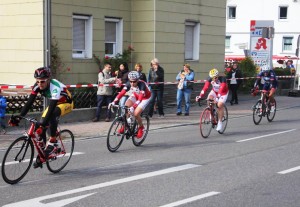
[[89, 129]]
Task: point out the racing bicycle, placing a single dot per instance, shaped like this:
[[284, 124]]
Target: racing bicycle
[[209, 118], [115, 139], [19, 156], [263, 107]]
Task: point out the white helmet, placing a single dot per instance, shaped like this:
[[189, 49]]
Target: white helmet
[[133, 75], [265, 68]]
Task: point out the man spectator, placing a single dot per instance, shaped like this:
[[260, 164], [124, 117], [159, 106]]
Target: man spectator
[[104, 93]]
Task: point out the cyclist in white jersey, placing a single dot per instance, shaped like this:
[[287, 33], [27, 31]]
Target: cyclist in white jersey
[[60, 103]]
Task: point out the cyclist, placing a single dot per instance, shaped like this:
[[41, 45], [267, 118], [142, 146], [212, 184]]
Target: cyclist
[[60, 103], [219, 92], [269, 83], [139, 97]]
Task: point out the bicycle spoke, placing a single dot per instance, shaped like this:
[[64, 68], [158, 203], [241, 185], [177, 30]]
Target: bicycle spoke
[[114, 138], [205, 123]]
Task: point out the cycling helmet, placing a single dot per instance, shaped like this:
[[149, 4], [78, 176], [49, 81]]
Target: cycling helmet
[[42, 73], [265, 68], [213, 73], [133, 75]]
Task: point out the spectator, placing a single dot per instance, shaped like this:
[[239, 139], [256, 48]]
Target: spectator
[[156, 74], [122, 74], [139, 68], [2, 113], [104, 93], [234, 81], [289, 65], [184, 88]]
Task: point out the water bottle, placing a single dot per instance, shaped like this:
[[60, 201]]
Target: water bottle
[[129, 120]]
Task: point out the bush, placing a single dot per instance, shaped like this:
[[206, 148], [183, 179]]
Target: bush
[[248, 69], [279, 71]]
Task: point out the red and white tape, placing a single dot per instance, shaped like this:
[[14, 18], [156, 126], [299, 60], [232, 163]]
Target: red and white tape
[[117, 85]]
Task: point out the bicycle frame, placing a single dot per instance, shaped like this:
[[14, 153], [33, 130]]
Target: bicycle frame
[[211, 106]]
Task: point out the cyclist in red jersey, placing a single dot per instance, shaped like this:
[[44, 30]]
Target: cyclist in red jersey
[[139, 97], [219, 92]]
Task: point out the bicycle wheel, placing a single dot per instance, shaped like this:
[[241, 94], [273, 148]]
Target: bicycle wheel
[[138, 141], [114, 138], [224, 120], [257, 112], [271, 115], [205, 123], [17, 160], [66, 140]]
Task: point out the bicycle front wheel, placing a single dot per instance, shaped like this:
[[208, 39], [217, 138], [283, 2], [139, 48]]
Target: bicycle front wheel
[[205, 123], [17, 160], [271, 113], [65, 138], [138, 141], [114, 137], [257, 112], [224, 120]]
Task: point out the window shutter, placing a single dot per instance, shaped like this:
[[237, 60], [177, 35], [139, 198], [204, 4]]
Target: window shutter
[[78, 34]]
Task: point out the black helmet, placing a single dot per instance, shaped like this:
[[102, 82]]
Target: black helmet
[[43, 72]]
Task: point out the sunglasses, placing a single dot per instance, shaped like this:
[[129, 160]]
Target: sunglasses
[[132, 81], [41, 81]]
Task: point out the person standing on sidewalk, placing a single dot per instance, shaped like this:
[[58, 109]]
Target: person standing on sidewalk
[[104, 93], [2, 113], [156, 74], [184, 88], [139, 68], [234, 81], [122, 74]]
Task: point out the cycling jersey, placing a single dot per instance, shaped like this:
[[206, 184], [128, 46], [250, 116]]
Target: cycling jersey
[[269, 80], [141, 91], [56, 91], [59, 97], [219, 86]]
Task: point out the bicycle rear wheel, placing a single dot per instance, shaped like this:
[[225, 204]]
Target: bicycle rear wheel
[[257, 112], [224, 120], [205, 123], [138, 141], [66, 140], [271, 115], [114, 138], [17, 160]]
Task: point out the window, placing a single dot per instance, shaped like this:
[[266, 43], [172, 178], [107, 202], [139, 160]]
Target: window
[[113, 36], [283, 11], [231, 12], [227, 42], [287, 44], [192, 40], [82, 36]]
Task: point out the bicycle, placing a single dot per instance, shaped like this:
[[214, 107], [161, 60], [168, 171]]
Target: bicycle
[[19, 156], [263, 108], [115, 139], [209, 119]]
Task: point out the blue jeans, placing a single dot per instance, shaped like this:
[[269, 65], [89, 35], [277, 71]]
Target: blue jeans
[[186, 93], [156, 95], [122, 102], [101, 101]]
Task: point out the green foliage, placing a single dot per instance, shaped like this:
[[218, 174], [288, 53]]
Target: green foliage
[[248, 69], [279, 71], [114, 61]]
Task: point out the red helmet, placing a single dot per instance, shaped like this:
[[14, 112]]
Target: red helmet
[[41, 73]]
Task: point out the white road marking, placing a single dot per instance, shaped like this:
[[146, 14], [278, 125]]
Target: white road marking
[[27, 160], [267, 135], [36, 202], [289, 170], [189, 200]]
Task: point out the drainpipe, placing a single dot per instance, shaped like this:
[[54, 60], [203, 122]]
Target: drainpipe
[[154, 31], [47, 37]]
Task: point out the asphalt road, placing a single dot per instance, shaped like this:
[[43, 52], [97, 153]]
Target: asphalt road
[[249, 165]]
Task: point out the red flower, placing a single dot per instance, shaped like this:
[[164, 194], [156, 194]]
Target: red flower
[[68, 69], [130, 48], [106, 57]]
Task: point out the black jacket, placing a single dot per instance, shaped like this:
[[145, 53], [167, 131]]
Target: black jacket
[[238, 74], [156, 76]]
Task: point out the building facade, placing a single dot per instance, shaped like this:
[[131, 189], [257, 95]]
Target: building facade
[[285, 15], [174, 31]]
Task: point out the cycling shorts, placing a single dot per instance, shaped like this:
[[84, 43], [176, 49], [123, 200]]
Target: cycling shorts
[[65, 108], [222, 99], [143, 104]]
